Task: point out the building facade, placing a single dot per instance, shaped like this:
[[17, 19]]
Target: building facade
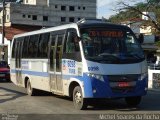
[[28, 15], [47, 13]]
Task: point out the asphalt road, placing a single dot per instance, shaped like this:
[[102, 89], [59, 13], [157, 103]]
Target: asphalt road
[[14, 102]]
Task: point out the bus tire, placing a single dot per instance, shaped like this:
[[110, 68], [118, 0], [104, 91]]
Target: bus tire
[[8, 80], [79, 102], [30, 91], [133, 101]]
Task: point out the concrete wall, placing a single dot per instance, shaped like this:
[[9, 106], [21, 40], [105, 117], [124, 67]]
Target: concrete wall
[[146, 30], [149, 39], [154, 79], [42, 2]]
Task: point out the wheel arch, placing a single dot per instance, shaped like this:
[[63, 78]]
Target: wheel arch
[[72, 85]]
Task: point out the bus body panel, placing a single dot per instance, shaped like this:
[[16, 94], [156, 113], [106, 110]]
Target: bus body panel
[[96, 79], [92, 84], [104, 85], [36, 72], [114, 69], [98, 87]]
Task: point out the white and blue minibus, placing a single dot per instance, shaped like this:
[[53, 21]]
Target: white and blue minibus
[[86, 60]]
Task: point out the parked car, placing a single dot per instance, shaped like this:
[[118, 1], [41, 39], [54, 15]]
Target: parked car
[[4, 71]]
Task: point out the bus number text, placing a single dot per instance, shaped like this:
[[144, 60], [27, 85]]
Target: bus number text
[[71, 63], [72, 71]]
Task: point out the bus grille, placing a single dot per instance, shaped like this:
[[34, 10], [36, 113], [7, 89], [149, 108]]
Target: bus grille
[[128, 80]]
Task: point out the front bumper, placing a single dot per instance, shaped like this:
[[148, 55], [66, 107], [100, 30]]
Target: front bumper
[[102, 89]]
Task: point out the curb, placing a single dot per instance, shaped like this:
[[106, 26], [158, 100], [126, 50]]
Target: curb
[[153, 89]]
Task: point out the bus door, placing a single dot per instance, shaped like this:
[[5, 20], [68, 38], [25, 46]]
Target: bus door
[[18, 62], [56, 83]]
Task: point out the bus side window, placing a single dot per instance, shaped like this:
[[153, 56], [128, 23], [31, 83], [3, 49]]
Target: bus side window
[[25, 47], [52, 52], [33, 46], [72, 44], [43, 45], [13, 48], [72, 50]]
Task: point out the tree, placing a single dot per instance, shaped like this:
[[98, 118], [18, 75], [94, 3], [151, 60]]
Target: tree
[[139, 8]]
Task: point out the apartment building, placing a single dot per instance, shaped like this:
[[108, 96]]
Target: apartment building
[[47, 13]]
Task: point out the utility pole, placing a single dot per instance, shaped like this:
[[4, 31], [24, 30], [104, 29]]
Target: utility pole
[[3, 29]]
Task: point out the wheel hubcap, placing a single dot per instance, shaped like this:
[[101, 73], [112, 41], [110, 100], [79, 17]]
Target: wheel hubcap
[[78, 97]]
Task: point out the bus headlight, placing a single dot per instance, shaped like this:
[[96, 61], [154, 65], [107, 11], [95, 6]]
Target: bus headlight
[[99, 77], [142, 76]]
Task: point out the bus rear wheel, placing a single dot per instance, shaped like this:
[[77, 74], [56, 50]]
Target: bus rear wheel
[[79, 102], [30, 91], [133, 101]]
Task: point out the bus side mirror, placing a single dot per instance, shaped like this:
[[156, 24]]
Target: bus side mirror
[[141, 38]]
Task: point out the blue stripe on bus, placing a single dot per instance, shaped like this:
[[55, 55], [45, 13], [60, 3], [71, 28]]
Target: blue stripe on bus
[[43, 74]]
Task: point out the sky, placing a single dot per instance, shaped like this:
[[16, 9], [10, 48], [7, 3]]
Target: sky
[[105, 7]]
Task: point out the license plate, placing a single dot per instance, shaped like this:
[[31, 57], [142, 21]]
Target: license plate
[[123, 84]]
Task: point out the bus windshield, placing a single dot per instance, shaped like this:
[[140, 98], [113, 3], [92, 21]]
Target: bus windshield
[[112, 46]]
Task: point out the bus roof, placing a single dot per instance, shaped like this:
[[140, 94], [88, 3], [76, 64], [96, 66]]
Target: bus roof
[[80, 24], [87, 23], [45, 30], [102, 25]]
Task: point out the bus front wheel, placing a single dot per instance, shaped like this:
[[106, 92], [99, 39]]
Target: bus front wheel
[[30, 91], [79, 102], [133, 101]]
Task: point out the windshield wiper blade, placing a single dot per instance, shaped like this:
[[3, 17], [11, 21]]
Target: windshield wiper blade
[[109, 56], [135, 56]]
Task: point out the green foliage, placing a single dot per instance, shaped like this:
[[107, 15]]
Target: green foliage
[[158, 44], [130, 14]]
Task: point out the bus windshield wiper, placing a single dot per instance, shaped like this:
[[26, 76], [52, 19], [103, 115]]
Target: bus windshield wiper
[[134, 56], [109, 56]]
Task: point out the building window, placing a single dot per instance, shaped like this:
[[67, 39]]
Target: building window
[[56, 6], [45, 18], [84, 8], [26, 1], [79, 7], [34, 17], [23, 16], [0, 21], [63, 19], [29, 16], [71, 19], [63, 8], [71, 8]]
